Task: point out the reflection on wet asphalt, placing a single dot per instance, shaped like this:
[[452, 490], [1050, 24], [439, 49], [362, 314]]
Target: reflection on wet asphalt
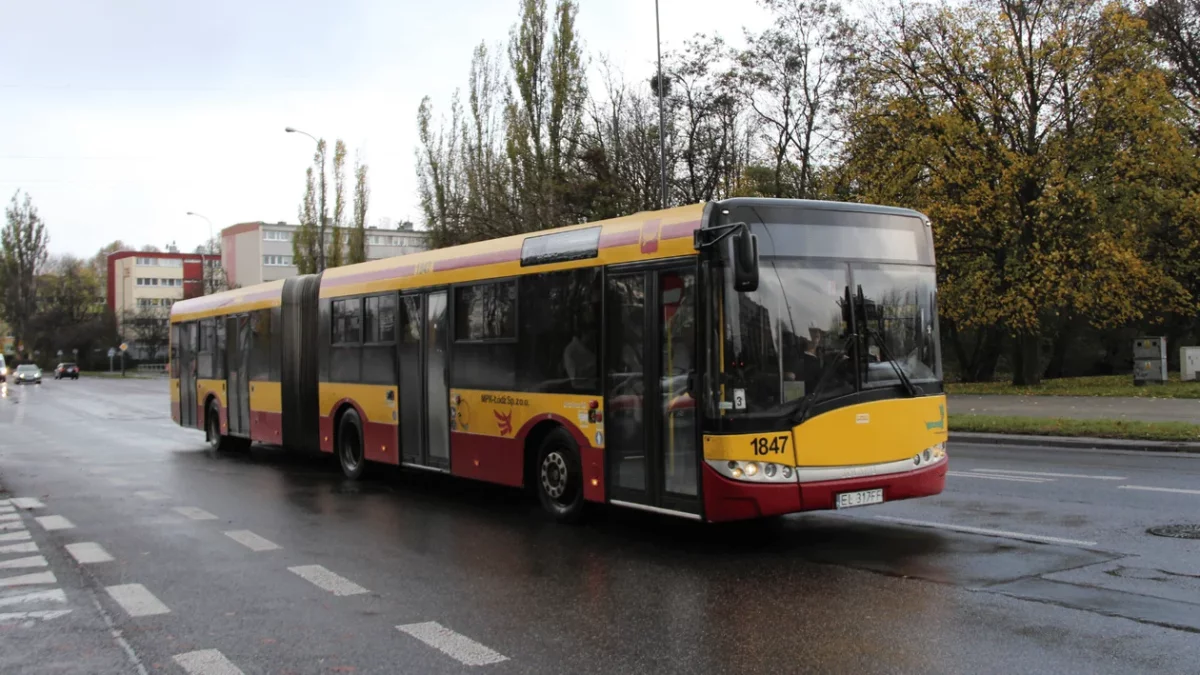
[[472, 571]]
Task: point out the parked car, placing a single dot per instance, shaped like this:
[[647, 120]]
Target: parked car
[[65, 370], [27, 372], [3, 369]]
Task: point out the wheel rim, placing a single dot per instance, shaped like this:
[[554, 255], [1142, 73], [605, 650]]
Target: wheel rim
[[214, 429], [351, 450], [556, 479]]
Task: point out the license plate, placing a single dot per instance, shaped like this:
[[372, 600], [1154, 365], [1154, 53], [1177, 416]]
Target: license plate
[[848, 500]]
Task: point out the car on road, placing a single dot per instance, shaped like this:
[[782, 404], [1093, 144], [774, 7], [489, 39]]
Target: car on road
[[3, 369], [65, 370], [27, 372]]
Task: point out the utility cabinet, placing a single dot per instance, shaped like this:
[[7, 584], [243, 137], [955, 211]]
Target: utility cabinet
[[1149, 360]]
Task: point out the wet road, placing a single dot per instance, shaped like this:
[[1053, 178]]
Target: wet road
[[126, 547]]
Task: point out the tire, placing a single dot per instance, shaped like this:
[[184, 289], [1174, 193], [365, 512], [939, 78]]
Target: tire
[[218, 442], [349, 445], [559, 477]]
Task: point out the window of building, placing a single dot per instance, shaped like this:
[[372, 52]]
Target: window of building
[[142, 303], [141, 281], [380, 318], [169, 262], [347, 321], [486, 311], [277, 235], [144, 261], [277, 260]]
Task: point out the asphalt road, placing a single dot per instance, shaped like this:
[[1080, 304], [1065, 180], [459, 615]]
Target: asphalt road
[[126, 547]]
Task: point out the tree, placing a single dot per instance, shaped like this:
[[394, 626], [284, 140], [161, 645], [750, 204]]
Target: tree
[[796, 73], [71, 316], [150, 248], [337, 243], [357, 248], [305, 252], [1176, 26], [150, 328], [24, 240]]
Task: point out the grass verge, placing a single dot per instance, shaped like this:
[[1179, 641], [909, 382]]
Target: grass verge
[[1054, 426], [1105, 385]]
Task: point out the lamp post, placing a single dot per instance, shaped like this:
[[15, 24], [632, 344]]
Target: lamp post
[[662, 143], [321, 216], [204, 266]]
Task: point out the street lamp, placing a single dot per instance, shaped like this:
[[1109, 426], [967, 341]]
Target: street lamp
[[204, 266], [292, 130]]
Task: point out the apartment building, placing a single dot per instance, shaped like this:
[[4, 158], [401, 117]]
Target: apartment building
[[143, 286], [255, 252]]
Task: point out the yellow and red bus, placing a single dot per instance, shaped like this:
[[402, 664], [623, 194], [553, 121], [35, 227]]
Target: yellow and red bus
[[722, 361]]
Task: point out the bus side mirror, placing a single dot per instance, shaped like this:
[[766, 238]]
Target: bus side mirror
[[745, 261]]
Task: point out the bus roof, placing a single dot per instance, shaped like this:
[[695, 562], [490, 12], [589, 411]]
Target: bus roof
[[248, 299], [642, 236]]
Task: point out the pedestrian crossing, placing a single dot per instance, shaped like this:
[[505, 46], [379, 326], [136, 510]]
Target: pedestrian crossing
[[25, 599]]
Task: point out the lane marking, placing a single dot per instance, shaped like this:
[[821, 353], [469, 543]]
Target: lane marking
[[15, 525], [194, 513], [323, 578], [43, 614], [1051, 475], [23, 563], [1013, 479], [206, 662], [56, 595], [54, 522], [151, 495], [117, 636], [455, 645], [88, 553], [10, 516], [136, 600], [1158, 489], [15, 536], [27, 547], [29, 579], [27, 503], [252, 541], [7, 509], [1038, 538]]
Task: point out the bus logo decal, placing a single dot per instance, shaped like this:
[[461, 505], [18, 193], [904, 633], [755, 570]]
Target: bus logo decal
[[940, 422], [504, 422]]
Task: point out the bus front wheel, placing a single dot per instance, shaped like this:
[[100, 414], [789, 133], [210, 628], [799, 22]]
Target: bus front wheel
[[560, 477], [350, 445]]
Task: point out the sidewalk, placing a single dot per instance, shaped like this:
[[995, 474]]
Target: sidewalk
[[1080, 407]]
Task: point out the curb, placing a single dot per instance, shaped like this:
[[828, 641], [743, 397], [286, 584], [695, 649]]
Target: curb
[[1074, 443]]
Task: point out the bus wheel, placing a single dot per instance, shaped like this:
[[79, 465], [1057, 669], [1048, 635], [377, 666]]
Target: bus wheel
[[213, 429], [560, 477], [350, 445]]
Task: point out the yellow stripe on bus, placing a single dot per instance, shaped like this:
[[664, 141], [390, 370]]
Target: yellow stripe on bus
[[214, 387], [371, 398], [266, 397], [174, 390]]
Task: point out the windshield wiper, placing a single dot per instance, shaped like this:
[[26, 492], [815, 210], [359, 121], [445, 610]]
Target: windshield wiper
[[912, 389]]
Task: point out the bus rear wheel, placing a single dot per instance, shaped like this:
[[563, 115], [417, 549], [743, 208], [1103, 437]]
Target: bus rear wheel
[[350, 445], [559, 477]]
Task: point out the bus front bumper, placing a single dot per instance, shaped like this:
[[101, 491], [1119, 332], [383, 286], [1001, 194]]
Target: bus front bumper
[[726, 499]]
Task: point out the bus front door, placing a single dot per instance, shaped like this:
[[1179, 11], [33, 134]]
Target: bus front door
[[421, 346], [650, 363]]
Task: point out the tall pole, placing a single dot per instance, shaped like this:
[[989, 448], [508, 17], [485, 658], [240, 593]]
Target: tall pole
[[205, 267], [662, 141], [321, 222]]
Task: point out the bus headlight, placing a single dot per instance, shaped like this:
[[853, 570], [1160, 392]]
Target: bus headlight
[[754, 472]]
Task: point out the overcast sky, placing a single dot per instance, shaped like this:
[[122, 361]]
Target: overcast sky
[[120, 116]]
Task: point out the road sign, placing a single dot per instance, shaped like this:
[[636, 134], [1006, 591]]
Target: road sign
[[124, 346], [111, 352], [60, 352]]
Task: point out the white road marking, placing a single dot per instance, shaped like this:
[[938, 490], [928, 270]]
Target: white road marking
[[9, 516], [26, 547], [56, 595], [1038, 538], [7, 509], [252, 541], [23, 563], [151, 495], [29, 579], [15, 525], [459, 647], [54, 522], [136, 600], [26, 503], [43, 614], [206, 662], [15, 536], [5, 502], [194, 513], [1158, 489], [87, 553], [1051, 475], [117, 636], [323, 578], [1013, 479]]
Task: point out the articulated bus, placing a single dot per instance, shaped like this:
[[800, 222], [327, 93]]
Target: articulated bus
[[722, 361]]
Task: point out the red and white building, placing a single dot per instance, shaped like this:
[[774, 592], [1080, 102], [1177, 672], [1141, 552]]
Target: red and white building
[[141, 283]]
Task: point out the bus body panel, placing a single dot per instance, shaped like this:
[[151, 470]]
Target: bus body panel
[[872, 433], [175, 399], [216, 390], [266, 412], [376, 405]]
